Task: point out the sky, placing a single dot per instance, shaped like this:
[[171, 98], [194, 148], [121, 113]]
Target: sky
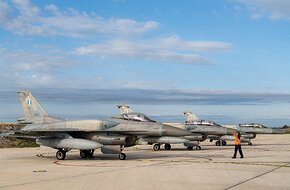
[[226, 60]]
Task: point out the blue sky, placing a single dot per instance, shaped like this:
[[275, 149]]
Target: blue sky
[[224, 60]]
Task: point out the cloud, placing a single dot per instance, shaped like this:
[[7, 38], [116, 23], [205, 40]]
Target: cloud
[[21, 60], [163, 105], [28, 68], [176, 42], [151, 96], [170, 49], [272, 9], [25, 18], [22, 17]]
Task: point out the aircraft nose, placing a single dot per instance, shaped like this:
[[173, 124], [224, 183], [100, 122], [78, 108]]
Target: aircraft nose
[[168, 130]]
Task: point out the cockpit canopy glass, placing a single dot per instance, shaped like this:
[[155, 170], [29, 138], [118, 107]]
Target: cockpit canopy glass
[[200, 122], [139, 117], [254, 125]]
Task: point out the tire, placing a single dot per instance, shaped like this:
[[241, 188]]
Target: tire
[[122, 156], [167, 146], [218, 143], [91, 153], [224, 143], [189, 148], [198, 148], [84, 154], [60, 155], [156, 147]]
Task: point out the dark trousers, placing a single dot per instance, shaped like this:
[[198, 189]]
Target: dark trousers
[[238, 147]]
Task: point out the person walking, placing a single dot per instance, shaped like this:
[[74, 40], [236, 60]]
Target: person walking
[[238, 145]]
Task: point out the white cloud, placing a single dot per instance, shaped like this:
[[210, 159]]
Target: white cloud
[[5, 10], [28, 19], [171, 49], [20, 60], [175, 42], [26, 8], [272, 9]]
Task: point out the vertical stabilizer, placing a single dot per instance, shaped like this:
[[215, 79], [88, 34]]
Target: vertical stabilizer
[[33, 111], [189, 116], [123, 108]]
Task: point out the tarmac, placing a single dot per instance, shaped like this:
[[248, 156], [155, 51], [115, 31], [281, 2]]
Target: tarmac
[[266, 166]]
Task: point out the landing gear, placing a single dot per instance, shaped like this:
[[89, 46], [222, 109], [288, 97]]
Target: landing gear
[[189, 148], [60, 154], [122, 156], [156, 147], [167, 146], [218, 143], [250, 144], [198, 148], [224, 143], [87, 153]]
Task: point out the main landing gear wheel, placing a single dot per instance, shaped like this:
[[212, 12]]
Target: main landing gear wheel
[[167, 146], [218, 143], [122, 156], [156, 147], [60, 154], [87, 153], [224, 143], [250, 144], [189, 148], [198, 148]]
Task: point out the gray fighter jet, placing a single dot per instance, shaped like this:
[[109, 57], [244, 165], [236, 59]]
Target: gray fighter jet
[[85, 135], [173, 135], [178, 135], [211, 129], [248, 131], [198, 131]]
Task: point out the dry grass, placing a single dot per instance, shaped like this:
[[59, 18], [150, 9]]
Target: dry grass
[[12, 142]]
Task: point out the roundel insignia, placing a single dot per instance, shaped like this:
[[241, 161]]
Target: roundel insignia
[[29, 102]]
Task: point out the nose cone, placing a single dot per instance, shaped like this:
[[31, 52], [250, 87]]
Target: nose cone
[[168, 130]]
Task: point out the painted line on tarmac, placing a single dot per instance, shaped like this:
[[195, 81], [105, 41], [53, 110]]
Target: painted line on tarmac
[[260, 175]]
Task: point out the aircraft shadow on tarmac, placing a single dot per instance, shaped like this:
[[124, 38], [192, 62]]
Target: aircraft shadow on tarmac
[[142, 155]]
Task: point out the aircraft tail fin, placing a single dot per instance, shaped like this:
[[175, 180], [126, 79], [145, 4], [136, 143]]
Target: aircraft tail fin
[[33, 111], [189, 116], [124, 108]]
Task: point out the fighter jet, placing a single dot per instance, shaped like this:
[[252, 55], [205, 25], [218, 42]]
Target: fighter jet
[[189, 139], [248, 131], [177, 135], [85, 135], [213, 130]]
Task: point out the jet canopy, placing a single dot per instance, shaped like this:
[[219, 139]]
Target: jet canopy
[[138, 117], [200, 122], [253, 125]]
